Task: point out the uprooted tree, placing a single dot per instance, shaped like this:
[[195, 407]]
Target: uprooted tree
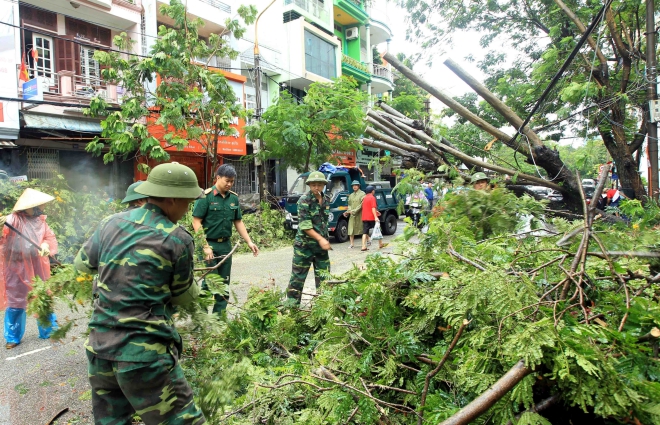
[[601, 94]]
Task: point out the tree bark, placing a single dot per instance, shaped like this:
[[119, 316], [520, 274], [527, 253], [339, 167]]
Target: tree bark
[[548, 159], [496, 103], [452, 104], [492, 395]]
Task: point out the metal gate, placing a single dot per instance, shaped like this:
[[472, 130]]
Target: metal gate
[[43, 164], [245, 177]]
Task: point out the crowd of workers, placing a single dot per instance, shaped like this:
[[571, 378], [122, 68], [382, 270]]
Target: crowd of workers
[[144, 265]]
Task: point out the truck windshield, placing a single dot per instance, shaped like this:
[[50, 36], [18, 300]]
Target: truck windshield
[[299, 187]]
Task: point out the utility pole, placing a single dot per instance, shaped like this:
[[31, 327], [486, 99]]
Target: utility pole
[[261, 166], [652, 96]]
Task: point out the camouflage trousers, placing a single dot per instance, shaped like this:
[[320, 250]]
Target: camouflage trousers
[[303, 258], [222, 248], [158, 392]]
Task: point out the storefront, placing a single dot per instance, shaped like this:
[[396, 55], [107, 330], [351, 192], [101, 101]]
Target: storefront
[[230, 148]]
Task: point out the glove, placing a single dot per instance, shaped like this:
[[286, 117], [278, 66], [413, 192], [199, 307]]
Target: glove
[[45, 250]]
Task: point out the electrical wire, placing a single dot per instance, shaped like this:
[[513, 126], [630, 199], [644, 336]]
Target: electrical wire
[[563, 68]]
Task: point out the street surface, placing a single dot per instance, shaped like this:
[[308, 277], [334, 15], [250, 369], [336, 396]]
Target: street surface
[[39, 378]]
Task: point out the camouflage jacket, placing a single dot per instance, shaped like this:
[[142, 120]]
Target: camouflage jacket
[[144, 261], [312, 215]]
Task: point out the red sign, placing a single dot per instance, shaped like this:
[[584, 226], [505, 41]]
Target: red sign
[[227, 145], [346, 159]]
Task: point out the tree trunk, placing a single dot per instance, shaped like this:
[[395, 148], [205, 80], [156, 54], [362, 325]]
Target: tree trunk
[[492, 395]]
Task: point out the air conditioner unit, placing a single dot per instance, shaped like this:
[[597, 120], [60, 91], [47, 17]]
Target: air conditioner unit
[[352, 33]]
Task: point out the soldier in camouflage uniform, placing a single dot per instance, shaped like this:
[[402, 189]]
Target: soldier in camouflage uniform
[[311, 244], [144, 262], [217, 214], [132, 198]]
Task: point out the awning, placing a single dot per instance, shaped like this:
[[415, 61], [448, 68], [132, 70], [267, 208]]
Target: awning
[[5, 144], [52, 122]]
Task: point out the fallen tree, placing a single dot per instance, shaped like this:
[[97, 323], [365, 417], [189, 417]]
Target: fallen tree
[[411, 139], [483, 319]]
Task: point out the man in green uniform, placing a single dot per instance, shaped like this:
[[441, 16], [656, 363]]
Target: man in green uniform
[[311, 244], [480, 181], [144, 262], [355, 212], [216, 214], [134, 199]]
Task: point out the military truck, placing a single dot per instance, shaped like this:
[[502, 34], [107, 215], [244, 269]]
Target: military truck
[[338, 189]]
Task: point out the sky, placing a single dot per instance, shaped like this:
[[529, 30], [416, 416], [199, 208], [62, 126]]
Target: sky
[[438, 75]]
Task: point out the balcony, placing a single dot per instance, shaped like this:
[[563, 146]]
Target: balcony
[[66, 86], [355, 69], [313, 10], [381, 79], [218, 5], [350, 12]]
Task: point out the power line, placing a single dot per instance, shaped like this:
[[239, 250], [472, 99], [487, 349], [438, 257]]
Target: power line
[[52, 102], [563, 68]]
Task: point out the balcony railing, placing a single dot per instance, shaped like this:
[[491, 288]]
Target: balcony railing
[[313, 7], [382, 72], [68, 84], [218, 5], [358, 3], [354, 63]]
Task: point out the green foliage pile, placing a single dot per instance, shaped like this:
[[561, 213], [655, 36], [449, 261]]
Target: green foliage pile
[[362, 350], [266, 229], [73, 216]]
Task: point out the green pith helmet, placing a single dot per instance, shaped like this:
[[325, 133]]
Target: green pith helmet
[[479, 176], [132, 195], [171, 180], [316, 177], [355, 183]]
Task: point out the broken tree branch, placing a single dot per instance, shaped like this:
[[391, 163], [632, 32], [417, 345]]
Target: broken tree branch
[[496, 103], [487, 399], [431, 374], [449, 101]]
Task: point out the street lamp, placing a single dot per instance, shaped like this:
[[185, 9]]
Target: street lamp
[[257, 113]]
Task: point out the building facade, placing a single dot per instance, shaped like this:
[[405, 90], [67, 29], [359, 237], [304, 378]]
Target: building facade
[[53, 42]]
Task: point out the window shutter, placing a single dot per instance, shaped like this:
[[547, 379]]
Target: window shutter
[[65, 55], [38, 18]]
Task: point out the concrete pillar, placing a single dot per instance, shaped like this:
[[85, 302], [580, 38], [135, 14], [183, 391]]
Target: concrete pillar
[[66, 82], [370, 59]]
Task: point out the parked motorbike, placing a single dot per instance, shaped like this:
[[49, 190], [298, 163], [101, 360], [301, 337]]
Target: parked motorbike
[[414, 212]]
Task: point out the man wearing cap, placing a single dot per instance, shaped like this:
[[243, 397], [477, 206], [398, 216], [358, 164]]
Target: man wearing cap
[[480, 181], [144, 262], [311, 244], [21, 261], [354, 211], [134, 199], [217, 214]]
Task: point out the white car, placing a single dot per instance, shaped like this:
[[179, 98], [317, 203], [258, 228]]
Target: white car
[[588, 183]]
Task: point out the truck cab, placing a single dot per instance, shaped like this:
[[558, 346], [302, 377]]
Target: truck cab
[[337, 190]]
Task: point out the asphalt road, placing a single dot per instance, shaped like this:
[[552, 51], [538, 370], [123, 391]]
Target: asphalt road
[[39, 378]]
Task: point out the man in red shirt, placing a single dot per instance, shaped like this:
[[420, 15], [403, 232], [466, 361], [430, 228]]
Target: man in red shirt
[[369, 216]]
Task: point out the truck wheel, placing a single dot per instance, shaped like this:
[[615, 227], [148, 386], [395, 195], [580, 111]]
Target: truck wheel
[[390, 224], [341, 231]]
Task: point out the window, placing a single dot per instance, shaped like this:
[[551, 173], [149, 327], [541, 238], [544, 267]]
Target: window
[[89, 67], [44, 65], [320, 56], [43, 164]]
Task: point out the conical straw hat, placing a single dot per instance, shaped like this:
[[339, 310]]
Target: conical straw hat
[[31, 198]]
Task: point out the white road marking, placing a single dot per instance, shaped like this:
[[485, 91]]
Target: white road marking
[[29, 352]]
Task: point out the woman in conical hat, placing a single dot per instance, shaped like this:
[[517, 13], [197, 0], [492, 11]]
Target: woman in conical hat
[[20, 262]]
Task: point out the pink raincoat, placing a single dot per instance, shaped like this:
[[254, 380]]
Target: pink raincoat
[[20, 261]]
